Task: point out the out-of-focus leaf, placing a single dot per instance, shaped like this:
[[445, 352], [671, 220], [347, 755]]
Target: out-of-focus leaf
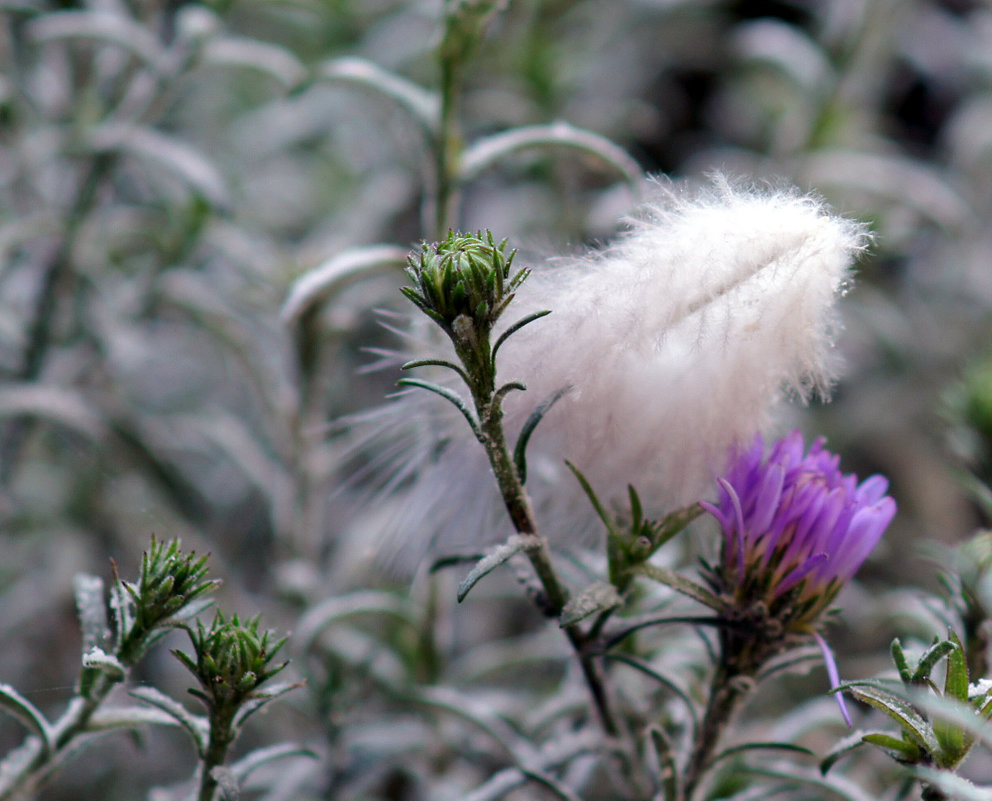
[[339, 608], [237, 51], [260, 698], [227, 783], [422, 105], [128, 717], [56, 404], [788, 49], [679, 583], [841, 749], [316, 285], [176, 157], [27, 713], [102, 26], [253, 760], [952, 785], [485, 152], [91, 607]]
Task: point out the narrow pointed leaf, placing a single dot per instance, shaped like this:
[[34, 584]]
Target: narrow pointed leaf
[[737, 749], [841, 749], [679, 583], [930, 658], [107, 663], [260, 698], [518, 543], [516, 327], [668, 773], [449, 395], [245, 766], [597, 597], [907, 751], [899, 710], [587, 488], [899, 657], [27, 713], [520, 451], [195, 725]]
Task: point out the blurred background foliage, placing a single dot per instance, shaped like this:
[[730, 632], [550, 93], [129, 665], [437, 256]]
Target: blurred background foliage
[[170, 175]]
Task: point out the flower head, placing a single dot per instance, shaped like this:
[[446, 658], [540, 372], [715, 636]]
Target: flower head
[[795, 528]]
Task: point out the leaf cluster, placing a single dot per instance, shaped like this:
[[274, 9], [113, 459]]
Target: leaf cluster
[[232, 659], [937, 735]]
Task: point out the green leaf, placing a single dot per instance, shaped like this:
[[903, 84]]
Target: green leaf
[[28, 714], [518, 543], [260, 698], [956, 680], [679, 583], [449, 395], [520, 451], [195, 725], [587, 488], [905, 751], [900, 710], [899, 657], [737, 749], [841, 749], [668, 773], [516, 327], [253, 760], [597, 597], [929, 660]]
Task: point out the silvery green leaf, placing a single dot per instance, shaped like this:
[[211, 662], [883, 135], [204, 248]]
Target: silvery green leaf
[[952, 785], [422, 105], [128, 717], [898, 708], [485, 152], [103, 26], [244, 767], [55, 404], [788, 49], [259, 699], [518, 543], [597, 597], [97, 658], [27, 713], [338, 608], [176, 157], [841, 748], [317, 284], [238, 51], [91, 607], [679, 583], [197, 726], [122, 605]]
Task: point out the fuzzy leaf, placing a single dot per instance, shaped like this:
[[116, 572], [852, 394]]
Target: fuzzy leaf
[[107, 663], [339, 608], [679, 583], [238, 51], [195, 725], [486, 151], [737, 749], [327, 279], [899, 657], [27, 713], [245, 766], [260, 698], [898, 709], [518, 543], [929, 660], [91, 607], [102, 26], [952, 786], [597, 597], [841, 749]]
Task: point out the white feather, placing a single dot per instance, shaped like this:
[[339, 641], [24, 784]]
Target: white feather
[[676, 342]]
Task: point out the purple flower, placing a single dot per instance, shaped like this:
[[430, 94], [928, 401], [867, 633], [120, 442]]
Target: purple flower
[[795, 528]]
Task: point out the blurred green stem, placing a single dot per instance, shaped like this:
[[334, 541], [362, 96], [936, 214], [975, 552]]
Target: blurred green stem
[[39, 338], [448, 147]]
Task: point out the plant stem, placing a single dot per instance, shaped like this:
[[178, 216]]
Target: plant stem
[[220, 740], [728, 688]]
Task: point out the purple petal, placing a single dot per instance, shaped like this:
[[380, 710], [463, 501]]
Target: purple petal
[[799, 573], [834, 675], [740, 526]]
